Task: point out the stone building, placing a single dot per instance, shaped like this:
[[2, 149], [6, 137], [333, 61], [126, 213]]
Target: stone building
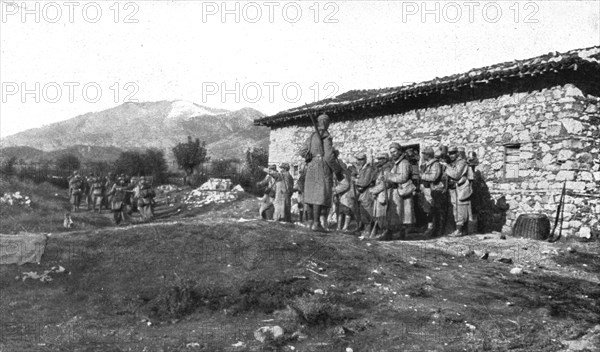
[[534, 124]]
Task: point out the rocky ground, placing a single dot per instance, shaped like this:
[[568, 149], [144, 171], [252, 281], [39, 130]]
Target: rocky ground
[[214, 278]]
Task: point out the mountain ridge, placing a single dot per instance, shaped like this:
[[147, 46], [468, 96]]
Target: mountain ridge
[[160, 125]]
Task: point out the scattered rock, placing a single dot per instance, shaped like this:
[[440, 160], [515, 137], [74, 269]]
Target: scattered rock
[[268, 333], [485, 256], [506, 260], [516, 271], [585, 232], [571, 250], [319, 291], [502, 236], [15, 199], [470, 253]]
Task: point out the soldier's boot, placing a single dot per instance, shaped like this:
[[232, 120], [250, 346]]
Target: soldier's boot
[[346, 226], [429, 232], [384, 236], [366, 232], [373, 233], [315, 223], [324, 222], [401, 235], [458, 232], [464, 231], [339, 224]]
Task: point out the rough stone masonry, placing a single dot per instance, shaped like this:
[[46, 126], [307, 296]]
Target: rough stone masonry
[[555, 133]]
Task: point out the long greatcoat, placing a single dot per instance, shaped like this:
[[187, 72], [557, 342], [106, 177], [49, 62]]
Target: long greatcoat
[[365, 180], [381, 200], [284, 187], [461, 209], [320, 170], [401, 210], [344, 189]]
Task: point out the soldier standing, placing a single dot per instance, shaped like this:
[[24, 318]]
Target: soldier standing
[[322, 166], [432, 189], [146, 199], [400, 180], [284, 184], [456, 170], [299, 187], [380, 195], [344, 196], [75, 190], [117, 195], [266, 203], [108, 183], [364, 181], [97, 191]]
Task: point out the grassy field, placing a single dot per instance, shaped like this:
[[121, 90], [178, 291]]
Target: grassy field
[[206, 279]]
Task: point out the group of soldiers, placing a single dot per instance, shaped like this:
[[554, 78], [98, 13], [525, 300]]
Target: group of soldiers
[[121, 194], [383, 196]]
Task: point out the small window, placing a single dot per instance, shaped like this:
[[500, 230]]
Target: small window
[[295, 172], [512, 158]]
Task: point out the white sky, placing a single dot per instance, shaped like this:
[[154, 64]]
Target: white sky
[[180, 50]]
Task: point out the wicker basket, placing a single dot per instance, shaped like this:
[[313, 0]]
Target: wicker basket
[[536, 226]]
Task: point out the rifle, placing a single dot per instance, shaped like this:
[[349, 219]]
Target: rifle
[[356, 204], [386, 219], [316, 127], [559, 212]]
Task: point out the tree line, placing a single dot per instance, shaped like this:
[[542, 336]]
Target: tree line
[[189, 155]]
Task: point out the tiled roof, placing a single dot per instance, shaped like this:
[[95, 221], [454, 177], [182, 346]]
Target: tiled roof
[[551, 62]]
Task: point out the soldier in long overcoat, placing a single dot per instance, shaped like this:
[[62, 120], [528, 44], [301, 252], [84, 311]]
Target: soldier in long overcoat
[[364, 181], [321, 168], [284, 187], [432, 189], [75, 190], [266, 209], [344, 194], [401, 208], [456, 171], [380, 195], [117, 193]]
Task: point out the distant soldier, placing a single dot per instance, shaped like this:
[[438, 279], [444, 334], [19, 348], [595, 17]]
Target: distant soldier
[[365, 179], [284, 186], [402, 190], [432, 189], [75, 190], [145, 201], [118, 193], [108, 183], [321, 168], [267, 209], [380, 196], [97, 191], [87, 190], [456, 170]]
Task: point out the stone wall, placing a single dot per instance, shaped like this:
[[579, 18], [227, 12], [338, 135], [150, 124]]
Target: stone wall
[[558, 130]]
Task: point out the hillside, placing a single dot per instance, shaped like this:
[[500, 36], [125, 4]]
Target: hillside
[[82, 152], [159, 125]]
